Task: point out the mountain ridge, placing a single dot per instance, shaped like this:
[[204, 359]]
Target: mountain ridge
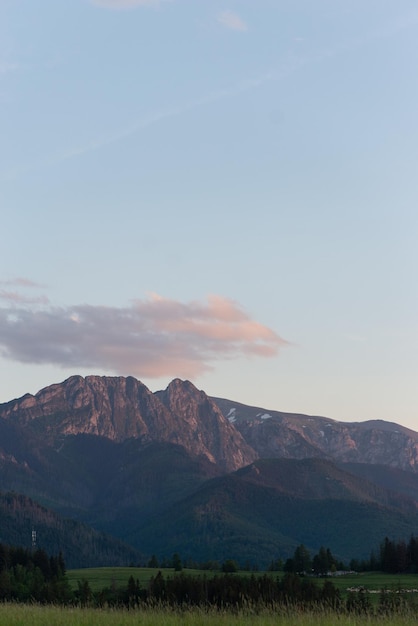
[[177, 470], [120, 408], [295, 435]]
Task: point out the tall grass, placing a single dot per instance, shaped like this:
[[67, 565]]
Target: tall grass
[[35, 615]]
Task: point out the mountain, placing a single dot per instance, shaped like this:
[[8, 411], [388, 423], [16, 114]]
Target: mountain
[[206, 426], [265, 510], [210, 478], [291, 435], [120, 408], [81, 545], [397, 480]]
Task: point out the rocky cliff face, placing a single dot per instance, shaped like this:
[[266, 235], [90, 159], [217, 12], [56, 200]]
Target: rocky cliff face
[[120, 408], [205, 425], [112, 407], [228, 434], [275, 434]]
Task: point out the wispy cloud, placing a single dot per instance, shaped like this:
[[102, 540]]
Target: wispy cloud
[[126, 4], [145, 122], [150, 338], [290, 64], [12, 296], [20, 282], [18, 298], [231, 20], [163, 114]]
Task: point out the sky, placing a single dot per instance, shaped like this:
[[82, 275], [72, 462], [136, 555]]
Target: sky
[[220, 191]]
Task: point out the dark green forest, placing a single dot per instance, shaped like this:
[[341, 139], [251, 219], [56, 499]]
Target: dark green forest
[[81, 545], [391, 557], [32, 576]]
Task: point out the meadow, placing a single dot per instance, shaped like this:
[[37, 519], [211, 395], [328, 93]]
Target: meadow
[[35, 615], [101, 577], [153, 613]]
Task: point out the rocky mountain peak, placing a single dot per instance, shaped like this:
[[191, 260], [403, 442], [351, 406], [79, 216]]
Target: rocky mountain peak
[[183, 398], [206, 424], [120, 408], [107, 406]]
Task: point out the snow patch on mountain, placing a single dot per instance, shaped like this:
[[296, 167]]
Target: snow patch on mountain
[[264, 416], [232, 417]]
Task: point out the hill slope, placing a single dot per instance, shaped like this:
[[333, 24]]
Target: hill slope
[[80, 545], [255, 514]]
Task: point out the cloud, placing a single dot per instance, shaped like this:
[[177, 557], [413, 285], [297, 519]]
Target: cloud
[[19, 298], [125, 4], [150, 338], [20, 282], [231, 20], [163, 114]]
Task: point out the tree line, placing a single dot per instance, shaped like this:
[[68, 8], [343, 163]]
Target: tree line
[[392, 557], [243, 592], [321, 564], [32, 576]]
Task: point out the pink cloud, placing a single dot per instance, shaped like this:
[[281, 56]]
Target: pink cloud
[[151, 338], [14, 296], [20, 282], [18, 298], [231, 20]]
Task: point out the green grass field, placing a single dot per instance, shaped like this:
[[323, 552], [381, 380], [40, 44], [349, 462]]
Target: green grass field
[[376, 581], [102, 577], [99, 578], [29, 615]]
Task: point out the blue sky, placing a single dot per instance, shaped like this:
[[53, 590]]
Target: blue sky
[[219, 191]]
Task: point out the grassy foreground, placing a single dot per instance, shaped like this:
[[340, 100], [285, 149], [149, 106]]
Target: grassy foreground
[[22, 615]]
